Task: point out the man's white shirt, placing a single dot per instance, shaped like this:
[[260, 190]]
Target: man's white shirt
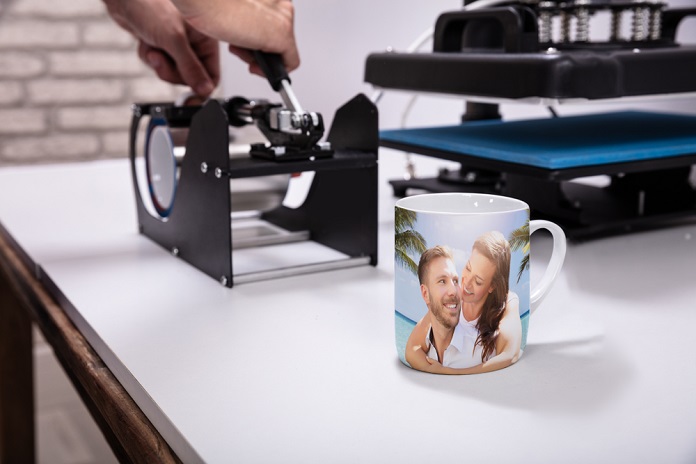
[[460, 353]]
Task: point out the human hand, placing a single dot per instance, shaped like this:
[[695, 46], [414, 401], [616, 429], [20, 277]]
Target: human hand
[[175, 50], [434, 366], [265, 25]]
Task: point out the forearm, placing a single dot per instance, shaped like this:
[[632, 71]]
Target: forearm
[[138, 17], [496, 362], [177, 52], [253, 24], [416, 357], [116, 10], [417, 346]]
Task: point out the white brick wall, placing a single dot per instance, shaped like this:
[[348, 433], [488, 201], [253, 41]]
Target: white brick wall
[[68, 75], [11, 93], [13, 64], [22, 121], [31, 34], [98, 62], [58, 9], [105, 34], [42, 91], [103, 117]]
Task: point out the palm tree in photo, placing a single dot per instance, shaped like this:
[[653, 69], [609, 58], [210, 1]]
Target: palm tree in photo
[[519, 240], [407, 241]]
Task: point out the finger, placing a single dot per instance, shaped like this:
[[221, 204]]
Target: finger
[[160, 63], [288, 46], [254, 68], [191, 69], [242, 53], [291, 58], [211, 62], [208, 51], [248, 57]]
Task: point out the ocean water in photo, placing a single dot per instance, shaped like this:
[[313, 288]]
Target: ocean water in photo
[[404, 327]]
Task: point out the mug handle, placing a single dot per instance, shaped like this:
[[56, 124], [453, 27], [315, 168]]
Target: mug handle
[[554, 267]]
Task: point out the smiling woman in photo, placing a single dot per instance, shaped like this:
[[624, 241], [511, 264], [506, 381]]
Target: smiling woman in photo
[[488, 334]]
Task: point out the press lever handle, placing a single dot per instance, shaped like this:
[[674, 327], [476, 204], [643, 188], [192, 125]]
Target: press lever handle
[[272, 66]]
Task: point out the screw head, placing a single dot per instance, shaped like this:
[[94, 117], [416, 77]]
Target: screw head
[[218, 173], [223, 281], [204, 167], [175, 251]]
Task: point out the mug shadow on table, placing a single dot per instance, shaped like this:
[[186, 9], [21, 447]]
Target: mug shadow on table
[[575, 377]]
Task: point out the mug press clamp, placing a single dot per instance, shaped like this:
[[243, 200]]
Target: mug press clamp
[[293, 133], [188, 203]]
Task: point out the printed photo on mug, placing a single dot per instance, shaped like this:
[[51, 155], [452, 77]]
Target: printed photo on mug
[[462, 283]]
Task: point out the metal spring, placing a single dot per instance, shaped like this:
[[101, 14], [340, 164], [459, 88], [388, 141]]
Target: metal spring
[[545, 26], [656, 23], [565, 27], [616, 19], [582, 25], [638, 31]]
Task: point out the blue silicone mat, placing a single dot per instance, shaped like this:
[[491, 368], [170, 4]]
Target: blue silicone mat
[[564, 142]]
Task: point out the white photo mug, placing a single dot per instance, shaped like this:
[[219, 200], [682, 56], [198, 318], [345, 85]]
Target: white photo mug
[[462, 290]]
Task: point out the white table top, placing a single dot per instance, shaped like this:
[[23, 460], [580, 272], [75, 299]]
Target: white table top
[[304, 369]]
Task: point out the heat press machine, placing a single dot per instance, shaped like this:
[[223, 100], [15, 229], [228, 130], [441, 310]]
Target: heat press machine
[[185, 173], [553, 53]]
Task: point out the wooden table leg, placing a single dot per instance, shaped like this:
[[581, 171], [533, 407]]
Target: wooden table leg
[[17, 443], [131, 435]]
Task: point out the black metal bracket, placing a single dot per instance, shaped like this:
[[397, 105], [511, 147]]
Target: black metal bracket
[[198, 227]]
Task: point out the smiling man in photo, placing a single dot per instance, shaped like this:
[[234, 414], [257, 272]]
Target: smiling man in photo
[[439, 285]]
